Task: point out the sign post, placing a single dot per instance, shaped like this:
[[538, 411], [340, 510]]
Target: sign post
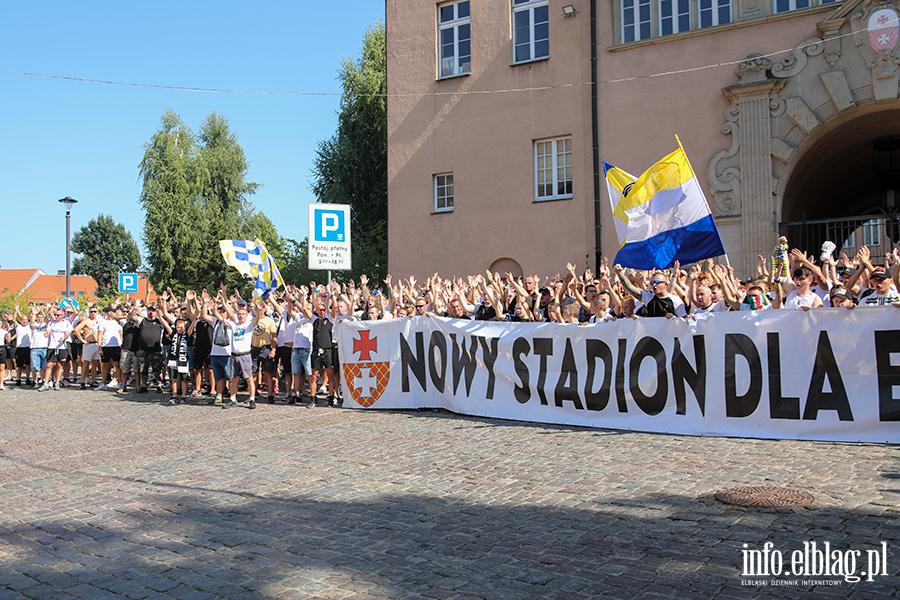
[[329, 237]]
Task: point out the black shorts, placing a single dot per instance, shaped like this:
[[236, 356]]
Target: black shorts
[[322, 358], [75, 348], [111, 353], [283, 356], [23, 357], [4, 355], [260, 354], [176, 375], [57, 356], [201, 357]]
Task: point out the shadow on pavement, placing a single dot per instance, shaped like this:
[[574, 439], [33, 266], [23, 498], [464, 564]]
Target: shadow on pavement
[[187, 541]]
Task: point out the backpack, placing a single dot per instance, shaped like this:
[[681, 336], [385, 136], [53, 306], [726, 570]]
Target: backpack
[[220, 335]]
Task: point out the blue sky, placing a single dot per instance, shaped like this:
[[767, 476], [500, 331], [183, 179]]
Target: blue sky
[[85, 140]]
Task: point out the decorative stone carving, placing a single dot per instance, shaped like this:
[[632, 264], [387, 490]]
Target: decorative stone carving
[[754, 68], [726, 184], [831, 31], [795, 63]]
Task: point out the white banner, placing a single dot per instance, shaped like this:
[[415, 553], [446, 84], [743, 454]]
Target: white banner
[[826, 374]]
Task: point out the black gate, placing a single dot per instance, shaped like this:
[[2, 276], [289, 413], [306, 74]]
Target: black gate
[[878, 232]]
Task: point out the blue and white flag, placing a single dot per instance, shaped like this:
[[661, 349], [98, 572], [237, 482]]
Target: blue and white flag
[[662, 216], [252, 260]]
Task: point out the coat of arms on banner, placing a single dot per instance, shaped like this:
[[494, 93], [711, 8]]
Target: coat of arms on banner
[[366, 380]]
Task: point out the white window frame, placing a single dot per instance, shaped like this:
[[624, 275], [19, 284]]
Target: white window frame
[[872, 232], [792, 5], [529, 7], [714, 9], [560, 163], [639, 27], [454, 65], [680, 9], [442, 183]]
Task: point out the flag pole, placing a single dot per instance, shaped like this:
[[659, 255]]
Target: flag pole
[[680, 147]]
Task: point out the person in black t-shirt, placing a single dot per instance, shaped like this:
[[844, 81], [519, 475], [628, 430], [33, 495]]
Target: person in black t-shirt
[[150, 335], [129, 359], [322, 353]]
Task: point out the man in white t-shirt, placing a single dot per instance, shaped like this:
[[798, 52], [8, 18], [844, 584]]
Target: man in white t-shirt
[[23, 348], [39, 337], [58, 331], [242, 326], [109, 337], [301, 317]]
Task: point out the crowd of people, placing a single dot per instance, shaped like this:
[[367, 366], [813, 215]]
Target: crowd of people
[[203, 344]]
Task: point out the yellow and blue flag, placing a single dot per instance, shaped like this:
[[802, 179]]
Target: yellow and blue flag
[[252, 260], [662, 216]]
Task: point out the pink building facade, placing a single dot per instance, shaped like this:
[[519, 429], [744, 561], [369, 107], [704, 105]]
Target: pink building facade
[[786, 110]]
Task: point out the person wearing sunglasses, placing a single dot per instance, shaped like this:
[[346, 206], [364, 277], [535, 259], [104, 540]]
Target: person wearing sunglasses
[[658, 301]]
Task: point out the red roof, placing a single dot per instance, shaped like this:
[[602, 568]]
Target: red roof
[[40, 287], [14, 280], [48, 288]]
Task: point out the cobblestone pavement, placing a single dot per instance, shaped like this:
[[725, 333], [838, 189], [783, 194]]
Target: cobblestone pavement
[[106, 495]]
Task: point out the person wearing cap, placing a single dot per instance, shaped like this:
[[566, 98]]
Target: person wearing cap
[[841, 298], [86, 333], [109, 336], [885, 291], [149, 353]]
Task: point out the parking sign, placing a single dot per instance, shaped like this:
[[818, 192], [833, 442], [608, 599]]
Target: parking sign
[[329, 236], [128, 283]]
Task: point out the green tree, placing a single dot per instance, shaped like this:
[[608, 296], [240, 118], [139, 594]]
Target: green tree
[[293, 263], [224, 193], [173, 217], [194, 194], [351, 167], [106, 249]]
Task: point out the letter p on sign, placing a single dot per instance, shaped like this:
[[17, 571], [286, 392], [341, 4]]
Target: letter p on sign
[[329, 226], [128, 283]]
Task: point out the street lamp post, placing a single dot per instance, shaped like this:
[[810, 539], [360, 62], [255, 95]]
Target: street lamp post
[[68, 202]]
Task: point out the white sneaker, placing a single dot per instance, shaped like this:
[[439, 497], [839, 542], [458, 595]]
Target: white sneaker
[[112, 385], [44, 388], [101, 387]]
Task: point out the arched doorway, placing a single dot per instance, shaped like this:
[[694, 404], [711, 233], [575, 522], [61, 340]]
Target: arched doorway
[[838, 189]]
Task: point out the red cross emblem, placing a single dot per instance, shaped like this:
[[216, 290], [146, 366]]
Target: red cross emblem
[[364, 345]]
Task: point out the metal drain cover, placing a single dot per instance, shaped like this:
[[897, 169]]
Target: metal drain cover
[[765, 497]]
